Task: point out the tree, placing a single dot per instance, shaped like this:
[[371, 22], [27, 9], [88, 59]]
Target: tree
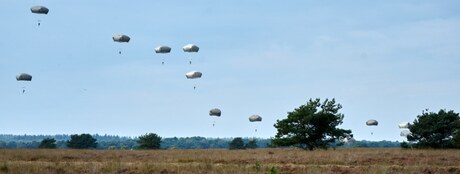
[[83, 141], [252, 144], [434, 130], [149, 141], [456, 139], [313, 125], [48, 143], [236, 143]]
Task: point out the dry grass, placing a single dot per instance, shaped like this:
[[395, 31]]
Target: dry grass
[[231, 161]]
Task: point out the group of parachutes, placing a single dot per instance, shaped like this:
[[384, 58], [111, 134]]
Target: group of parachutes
[[162, 49], [403, 125]]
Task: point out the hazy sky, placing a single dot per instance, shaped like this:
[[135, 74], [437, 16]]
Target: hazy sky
[[385, 60]]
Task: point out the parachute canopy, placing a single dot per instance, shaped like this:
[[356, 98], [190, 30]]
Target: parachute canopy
[[121, 38], [193, 75], [190, 48], [405, 133], [372, 123], [162, 49], [254, 118], [215, 112], [39, 9], [24, 77], [349, 140], [404, 125]]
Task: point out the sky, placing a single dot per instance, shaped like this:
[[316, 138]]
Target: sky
[[384, 60]]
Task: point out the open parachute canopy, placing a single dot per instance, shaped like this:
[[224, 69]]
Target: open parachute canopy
[[255, 118], [162, 49], [372, 122], [121, 38], [39, 9], [190, 48], [215, 112], [24, 77], [193, 75], [405, 133], [403, 125]]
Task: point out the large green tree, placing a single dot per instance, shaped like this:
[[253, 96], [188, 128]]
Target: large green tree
[[149, 141], [435, 130], [48, 143], [236, 143], [82, 141], [313, 125]]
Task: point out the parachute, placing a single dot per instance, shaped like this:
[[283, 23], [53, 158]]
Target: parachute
[[24, 77], [190, 48], [39, 10], [349, 139], [193, 75], [121, 38], [162, 50], [216, 112], [403, 125], [372, 123], [255, 118], [405, 133]]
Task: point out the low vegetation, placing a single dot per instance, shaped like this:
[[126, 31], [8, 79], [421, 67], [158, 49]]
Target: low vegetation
[[287, 160]]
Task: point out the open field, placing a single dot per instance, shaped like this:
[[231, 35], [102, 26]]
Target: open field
[[230, 161]]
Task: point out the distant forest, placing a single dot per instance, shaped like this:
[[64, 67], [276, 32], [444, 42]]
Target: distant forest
[[119, 142]]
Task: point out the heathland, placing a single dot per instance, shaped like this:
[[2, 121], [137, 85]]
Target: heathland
[[268, 160]]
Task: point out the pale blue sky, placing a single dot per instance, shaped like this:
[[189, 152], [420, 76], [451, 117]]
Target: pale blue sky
[[383, 60]]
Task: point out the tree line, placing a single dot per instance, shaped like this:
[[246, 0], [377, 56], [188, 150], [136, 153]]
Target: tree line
[[311, 126], [119, 142]]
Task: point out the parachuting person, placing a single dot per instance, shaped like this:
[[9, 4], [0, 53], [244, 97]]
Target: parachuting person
[[162, 50], [372, 123], [255, 118], [120, 38], [190, 48], [193, 75], [24, 77], [39, 10], [216, 112]]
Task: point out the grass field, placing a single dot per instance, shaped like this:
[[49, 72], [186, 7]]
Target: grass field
[[230, 161]]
